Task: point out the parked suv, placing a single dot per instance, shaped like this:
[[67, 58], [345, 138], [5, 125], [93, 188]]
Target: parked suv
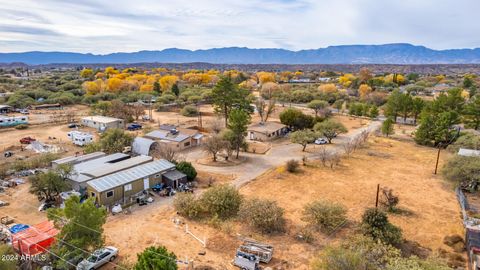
[[134, 126]]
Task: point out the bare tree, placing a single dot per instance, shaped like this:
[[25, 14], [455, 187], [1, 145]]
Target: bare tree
[[349, 147], [216, 125], [70, 115], [214, 145], [334, 159], [137, 110], [165, 152], [324, 156], [264, 108]]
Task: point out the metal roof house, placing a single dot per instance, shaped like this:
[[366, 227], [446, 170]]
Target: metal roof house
[[77, 159], [102, 123], [5, 109], [142, 146], [266, 131], [177, 138], [122, 187]]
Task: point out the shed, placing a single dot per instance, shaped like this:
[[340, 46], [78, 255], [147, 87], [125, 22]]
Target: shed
[[102, 123], [174, 178], [142, 146], [34, 240]]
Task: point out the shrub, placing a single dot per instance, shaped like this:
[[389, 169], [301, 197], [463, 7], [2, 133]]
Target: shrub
[[189, 110], [325, 216], [223, 201], [187, 205], [264, 215], [389, 200], [464, 171], [339, 258], [376, 225], [188, 169], [156, 258], [467, 140], [292, 166], [21, 126]]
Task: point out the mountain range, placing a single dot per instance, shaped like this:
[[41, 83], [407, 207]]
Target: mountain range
[[400, 53]]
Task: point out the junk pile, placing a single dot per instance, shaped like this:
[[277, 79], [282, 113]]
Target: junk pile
[[39, 147]]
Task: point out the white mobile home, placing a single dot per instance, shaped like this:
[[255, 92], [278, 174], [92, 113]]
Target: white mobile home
[[80, 138]]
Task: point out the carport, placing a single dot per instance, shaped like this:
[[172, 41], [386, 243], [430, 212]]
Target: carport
[[174, 178]]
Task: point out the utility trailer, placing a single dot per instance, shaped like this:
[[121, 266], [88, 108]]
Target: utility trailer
[[264, 252]]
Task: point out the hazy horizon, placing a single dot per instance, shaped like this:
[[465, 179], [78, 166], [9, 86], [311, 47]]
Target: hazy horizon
[[87, 26]]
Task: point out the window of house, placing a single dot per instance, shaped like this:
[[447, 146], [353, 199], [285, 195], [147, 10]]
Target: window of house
[[186, 144], [128, 187], [93, 194], [157, 176], [109, 193]]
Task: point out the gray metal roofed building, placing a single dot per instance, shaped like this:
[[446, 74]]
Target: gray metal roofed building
[[77, 159], [123, 186], [174, 178]]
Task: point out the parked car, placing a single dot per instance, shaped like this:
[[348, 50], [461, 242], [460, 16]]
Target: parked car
[[246, 261], [73, 125], [134, 126], [98, 258], [24, 111], [321, 141], [27, 140]]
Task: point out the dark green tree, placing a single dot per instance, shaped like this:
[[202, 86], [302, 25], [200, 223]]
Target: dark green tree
[[393, 105], [188, 169], [156, 258], [417, 106], [303, 137], [156, 87], [387, 127], [376, 225], [226, 95], [238, 121], [175, 89], [472, 113], [81, 228], [330, 129], [49, 185]]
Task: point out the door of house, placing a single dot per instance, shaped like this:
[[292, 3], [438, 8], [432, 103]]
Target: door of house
[[146, 183]]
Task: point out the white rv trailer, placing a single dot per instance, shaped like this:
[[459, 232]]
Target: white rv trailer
[[80, 138]]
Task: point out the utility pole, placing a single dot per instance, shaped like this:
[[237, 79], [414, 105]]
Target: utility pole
[[378, 191], [438, 157]]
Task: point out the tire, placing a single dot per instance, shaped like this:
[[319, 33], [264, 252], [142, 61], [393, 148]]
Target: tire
[[112, 258]]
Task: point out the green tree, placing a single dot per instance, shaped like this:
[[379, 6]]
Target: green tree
[[376, 225], [393, 105], [48, 185], [289, 116], [339, 258], [330, 129], [115, 140], [175, 89], [238, 121], [405, 105], [156, 258], [156, 87], [472, 113], [417, 106], [317, 105], [463, 171], [226, 95], [303, 137], [387, 127], [81, 228], [101, 108], [188, 169], [374, 112]]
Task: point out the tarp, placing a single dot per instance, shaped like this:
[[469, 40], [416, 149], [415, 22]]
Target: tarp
[[18, 228], [34, 240]]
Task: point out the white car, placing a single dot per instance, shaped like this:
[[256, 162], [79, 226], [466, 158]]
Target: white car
[[98, 258], [321, 141]]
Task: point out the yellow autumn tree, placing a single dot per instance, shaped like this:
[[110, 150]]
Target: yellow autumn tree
[[167, 81], [396, 78], [111, 71], [86, 73], [146, 88], [346, 79], [115, 85], [364, 90], [100, 75], [328, 88], [264, 77], [91, 88]]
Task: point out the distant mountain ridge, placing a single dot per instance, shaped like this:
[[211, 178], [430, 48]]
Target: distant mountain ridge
[[400, 53]]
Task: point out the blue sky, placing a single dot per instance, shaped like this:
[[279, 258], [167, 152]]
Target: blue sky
[[126, 25]]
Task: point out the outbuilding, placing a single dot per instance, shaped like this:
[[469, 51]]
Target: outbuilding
[[266, 131], [174, 178], [102, 123], [5, 109]]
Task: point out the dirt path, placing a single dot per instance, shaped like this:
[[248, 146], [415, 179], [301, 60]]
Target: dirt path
[[256, 164]]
